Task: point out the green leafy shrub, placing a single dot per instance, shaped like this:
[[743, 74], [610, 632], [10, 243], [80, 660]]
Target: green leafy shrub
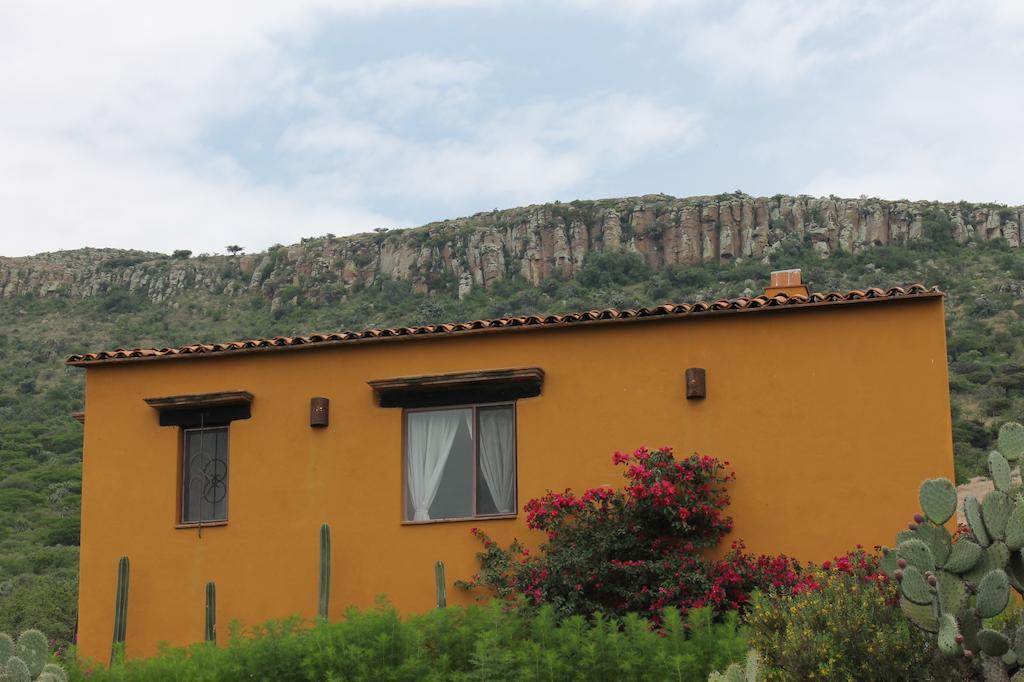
[[845, 626], [475, 643], [44, 602], [610, 268]]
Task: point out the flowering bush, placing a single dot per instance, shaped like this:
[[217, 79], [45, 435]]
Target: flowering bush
[[842, 624], [634, 549]]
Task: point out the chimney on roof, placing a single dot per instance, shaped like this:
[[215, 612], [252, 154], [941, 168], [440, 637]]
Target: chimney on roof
[[786, 282]]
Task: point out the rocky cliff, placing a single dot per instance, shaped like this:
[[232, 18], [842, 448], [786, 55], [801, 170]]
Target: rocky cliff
[[535, 242]]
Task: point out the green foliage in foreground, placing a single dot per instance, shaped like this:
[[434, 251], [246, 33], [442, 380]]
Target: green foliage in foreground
[[474, 643]]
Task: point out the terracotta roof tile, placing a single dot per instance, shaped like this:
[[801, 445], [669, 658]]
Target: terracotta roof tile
[[755, 303]]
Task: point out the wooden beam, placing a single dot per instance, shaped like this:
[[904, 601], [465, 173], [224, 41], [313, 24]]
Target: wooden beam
[[492, 385], [199, 400]]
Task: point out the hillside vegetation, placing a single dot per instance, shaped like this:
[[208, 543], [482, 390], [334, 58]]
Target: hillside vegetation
[[40, 445]]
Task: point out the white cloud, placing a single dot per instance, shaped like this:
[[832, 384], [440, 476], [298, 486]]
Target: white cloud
[[769, 42], [415, 82], [105, 109], [109, 132], [943, 117], [521, 153]]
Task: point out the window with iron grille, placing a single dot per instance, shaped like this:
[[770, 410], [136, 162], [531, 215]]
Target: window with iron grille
[[204, 475]]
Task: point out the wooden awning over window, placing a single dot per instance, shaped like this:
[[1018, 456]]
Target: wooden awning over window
[[482, 386], [202, 408]]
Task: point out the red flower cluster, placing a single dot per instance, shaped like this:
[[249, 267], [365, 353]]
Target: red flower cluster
[[859, 564], [635, 549]]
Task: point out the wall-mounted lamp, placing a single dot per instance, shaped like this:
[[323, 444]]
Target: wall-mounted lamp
[[319, 409], [696, 384]]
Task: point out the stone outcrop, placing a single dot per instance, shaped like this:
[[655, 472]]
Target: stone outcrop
[[534, 242]]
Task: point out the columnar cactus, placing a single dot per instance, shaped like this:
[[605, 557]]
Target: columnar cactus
[[948, 586], [25, 660], [325, 571], [442, 599], [120, 609], [210, 628]]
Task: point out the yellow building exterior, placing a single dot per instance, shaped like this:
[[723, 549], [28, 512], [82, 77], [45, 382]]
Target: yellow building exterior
[[831, 409]]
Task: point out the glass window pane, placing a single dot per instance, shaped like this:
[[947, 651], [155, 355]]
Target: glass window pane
[[205, 475], [496, 460], [439, 464]]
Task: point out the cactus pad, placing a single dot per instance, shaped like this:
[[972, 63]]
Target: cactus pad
[[917, 554], [993, 594], [938, 540], [734, 673], [16, 671], [921, 615], [963, 557], [947, 635], [6, 647], [995, 556], [904, 535], [915, 588], [970, 626], [34, 650], [55, 671], [999, 468], [993, 643], [995, 512], [972, 510], [1015, 526], [1011, 441], [753, 671], [938, 500], [953, 595], [887, 562]]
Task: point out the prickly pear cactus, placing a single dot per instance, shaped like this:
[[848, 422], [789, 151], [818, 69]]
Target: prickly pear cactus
[[25, 660], [15, 670], [34, 650], [748, 671], [6, 647], [1011, 441], [949, 586]]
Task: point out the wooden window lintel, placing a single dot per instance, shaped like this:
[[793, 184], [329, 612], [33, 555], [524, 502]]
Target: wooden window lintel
[[492, 385]]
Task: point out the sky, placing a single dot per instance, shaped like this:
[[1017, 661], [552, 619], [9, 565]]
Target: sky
[[191, 125]]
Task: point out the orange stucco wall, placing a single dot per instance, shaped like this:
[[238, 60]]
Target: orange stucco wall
[[831, 417]]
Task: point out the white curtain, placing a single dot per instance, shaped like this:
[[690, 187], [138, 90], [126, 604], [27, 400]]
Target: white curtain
[[430, 436], [497, 458]]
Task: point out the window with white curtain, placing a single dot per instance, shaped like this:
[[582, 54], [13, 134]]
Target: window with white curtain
[[460, 462]]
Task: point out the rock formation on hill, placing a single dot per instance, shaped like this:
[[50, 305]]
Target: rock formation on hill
[[535, 242]]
